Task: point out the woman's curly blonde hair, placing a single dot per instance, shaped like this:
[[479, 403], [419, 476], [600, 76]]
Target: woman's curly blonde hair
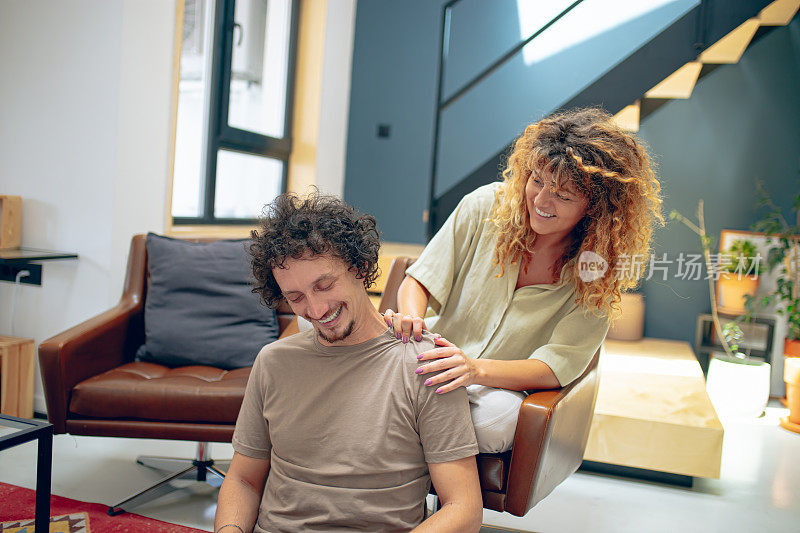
[[584, 148]]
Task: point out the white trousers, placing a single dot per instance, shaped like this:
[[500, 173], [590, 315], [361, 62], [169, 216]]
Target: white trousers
[[494, 415]]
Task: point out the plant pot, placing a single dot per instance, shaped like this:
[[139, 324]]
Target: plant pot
[[738, 387], [791, 375], [791, 348], [630, 325], [731, 291]]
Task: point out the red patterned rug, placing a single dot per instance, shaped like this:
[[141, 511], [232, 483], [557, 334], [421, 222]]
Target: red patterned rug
[[17, 509]]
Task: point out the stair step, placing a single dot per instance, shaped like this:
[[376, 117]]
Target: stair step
[[778, 13], [628, 118], [679, 84], [730, 48]]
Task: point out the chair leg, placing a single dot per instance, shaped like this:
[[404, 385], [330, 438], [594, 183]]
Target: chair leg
[[182, 469], [170, 464], [222, 465], [151, 493], [217, 477], [217, 471]]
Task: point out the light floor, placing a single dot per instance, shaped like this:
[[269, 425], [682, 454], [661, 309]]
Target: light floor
[[759, 490]]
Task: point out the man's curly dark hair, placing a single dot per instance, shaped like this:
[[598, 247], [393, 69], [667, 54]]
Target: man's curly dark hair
[[317, 224]]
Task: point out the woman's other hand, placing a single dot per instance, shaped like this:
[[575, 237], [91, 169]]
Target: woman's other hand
[[458, 369], [405, 326]]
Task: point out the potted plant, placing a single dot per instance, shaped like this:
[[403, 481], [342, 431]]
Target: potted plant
[[740, 267], [783, 259], [736, 384]]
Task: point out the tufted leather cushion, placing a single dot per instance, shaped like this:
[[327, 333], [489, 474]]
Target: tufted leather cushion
[[151, 391]]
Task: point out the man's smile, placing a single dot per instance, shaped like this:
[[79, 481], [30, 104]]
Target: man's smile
[[331, 316]]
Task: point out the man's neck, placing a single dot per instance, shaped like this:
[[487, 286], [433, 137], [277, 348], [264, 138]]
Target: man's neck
[[366, 327]]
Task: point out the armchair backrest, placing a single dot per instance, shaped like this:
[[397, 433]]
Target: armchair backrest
[[397, 272], [552, 432]]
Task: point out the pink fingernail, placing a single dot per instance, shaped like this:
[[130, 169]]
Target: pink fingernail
[[419, 356], [398, 336], [439, 391], [405, 340], [419, 338], [418, 371], [428, 382]]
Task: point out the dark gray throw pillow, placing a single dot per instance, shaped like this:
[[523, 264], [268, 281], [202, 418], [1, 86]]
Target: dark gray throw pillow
[[199, 308]]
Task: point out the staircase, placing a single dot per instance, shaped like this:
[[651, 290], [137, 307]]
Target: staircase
[[728, 50], [628, 57]]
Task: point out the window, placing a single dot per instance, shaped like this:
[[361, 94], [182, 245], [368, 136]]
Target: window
[[234, 109]]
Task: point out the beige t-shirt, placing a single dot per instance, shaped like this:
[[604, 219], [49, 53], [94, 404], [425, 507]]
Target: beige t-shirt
[[349, 432], [484, 315]]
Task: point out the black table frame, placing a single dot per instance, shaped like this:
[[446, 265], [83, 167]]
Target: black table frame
[[15, 260], [43, 433]]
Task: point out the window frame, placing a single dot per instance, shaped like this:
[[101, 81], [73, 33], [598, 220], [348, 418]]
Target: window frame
[[219, 135]]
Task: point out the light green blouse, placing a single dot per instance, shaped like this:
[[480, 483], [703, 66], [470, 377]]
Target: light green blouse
[[483, 315]]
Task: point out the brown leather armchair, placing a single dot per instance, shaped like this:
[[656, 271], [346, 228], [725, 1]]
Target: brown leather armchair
[[551, 436], [94, 387]]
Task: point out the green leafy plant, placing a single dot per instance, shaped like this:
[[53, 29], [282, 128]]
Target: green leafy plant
[[742, 258], [783, 258], [732, 332], [731, 335]]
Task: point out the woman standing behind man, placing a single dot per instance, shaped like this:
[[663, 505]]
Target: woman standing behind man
[[502, 274]]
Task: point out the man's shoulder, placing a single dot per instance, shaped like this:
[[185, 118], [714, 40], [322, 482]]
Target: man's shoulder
[[414, 347], [403, 356]]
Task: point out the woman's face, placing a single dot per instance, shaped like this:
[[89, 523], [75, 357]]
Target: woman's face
[[553, 213]]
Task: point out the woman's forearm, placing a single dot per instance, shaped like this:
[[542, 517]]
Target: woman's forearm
[[524, 374], [412, 297]]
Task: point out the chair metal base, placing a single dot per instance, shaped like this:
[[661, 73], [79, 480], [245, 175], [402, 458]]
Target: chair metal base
[[182, 469]]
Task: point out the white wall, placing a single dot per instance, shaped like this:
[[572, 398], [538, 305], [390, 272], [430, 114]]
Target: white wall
[[85, 107], [85, 96], [335, 98]]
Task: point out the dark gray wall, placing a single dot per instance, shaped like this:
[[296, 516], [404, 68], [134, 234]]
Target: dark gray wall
[[395, 65], [394, 82], [741, 123]]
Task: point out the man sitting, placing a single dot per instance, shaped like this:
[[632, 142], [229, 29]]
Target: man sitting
[[336, 431]]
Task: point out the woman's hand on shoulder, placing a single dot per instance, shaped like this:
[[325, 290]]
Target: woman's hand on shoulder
[[457, 370], [405, 326]]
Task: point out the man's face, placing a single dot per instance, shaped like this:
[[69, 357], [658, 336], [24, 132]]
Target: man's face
[[322, 290]]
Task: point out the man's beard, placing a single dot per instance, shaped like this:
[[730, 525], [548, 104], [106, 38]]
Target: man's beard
[[331, 339]]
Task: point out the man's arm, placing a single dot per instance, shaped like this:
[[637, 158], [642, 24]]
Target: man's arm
[[240, 494], [459, 491]]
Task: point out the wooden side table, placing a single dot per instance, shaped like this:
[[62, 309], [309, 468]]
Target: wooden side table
[[17, 356], [653, 418]]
